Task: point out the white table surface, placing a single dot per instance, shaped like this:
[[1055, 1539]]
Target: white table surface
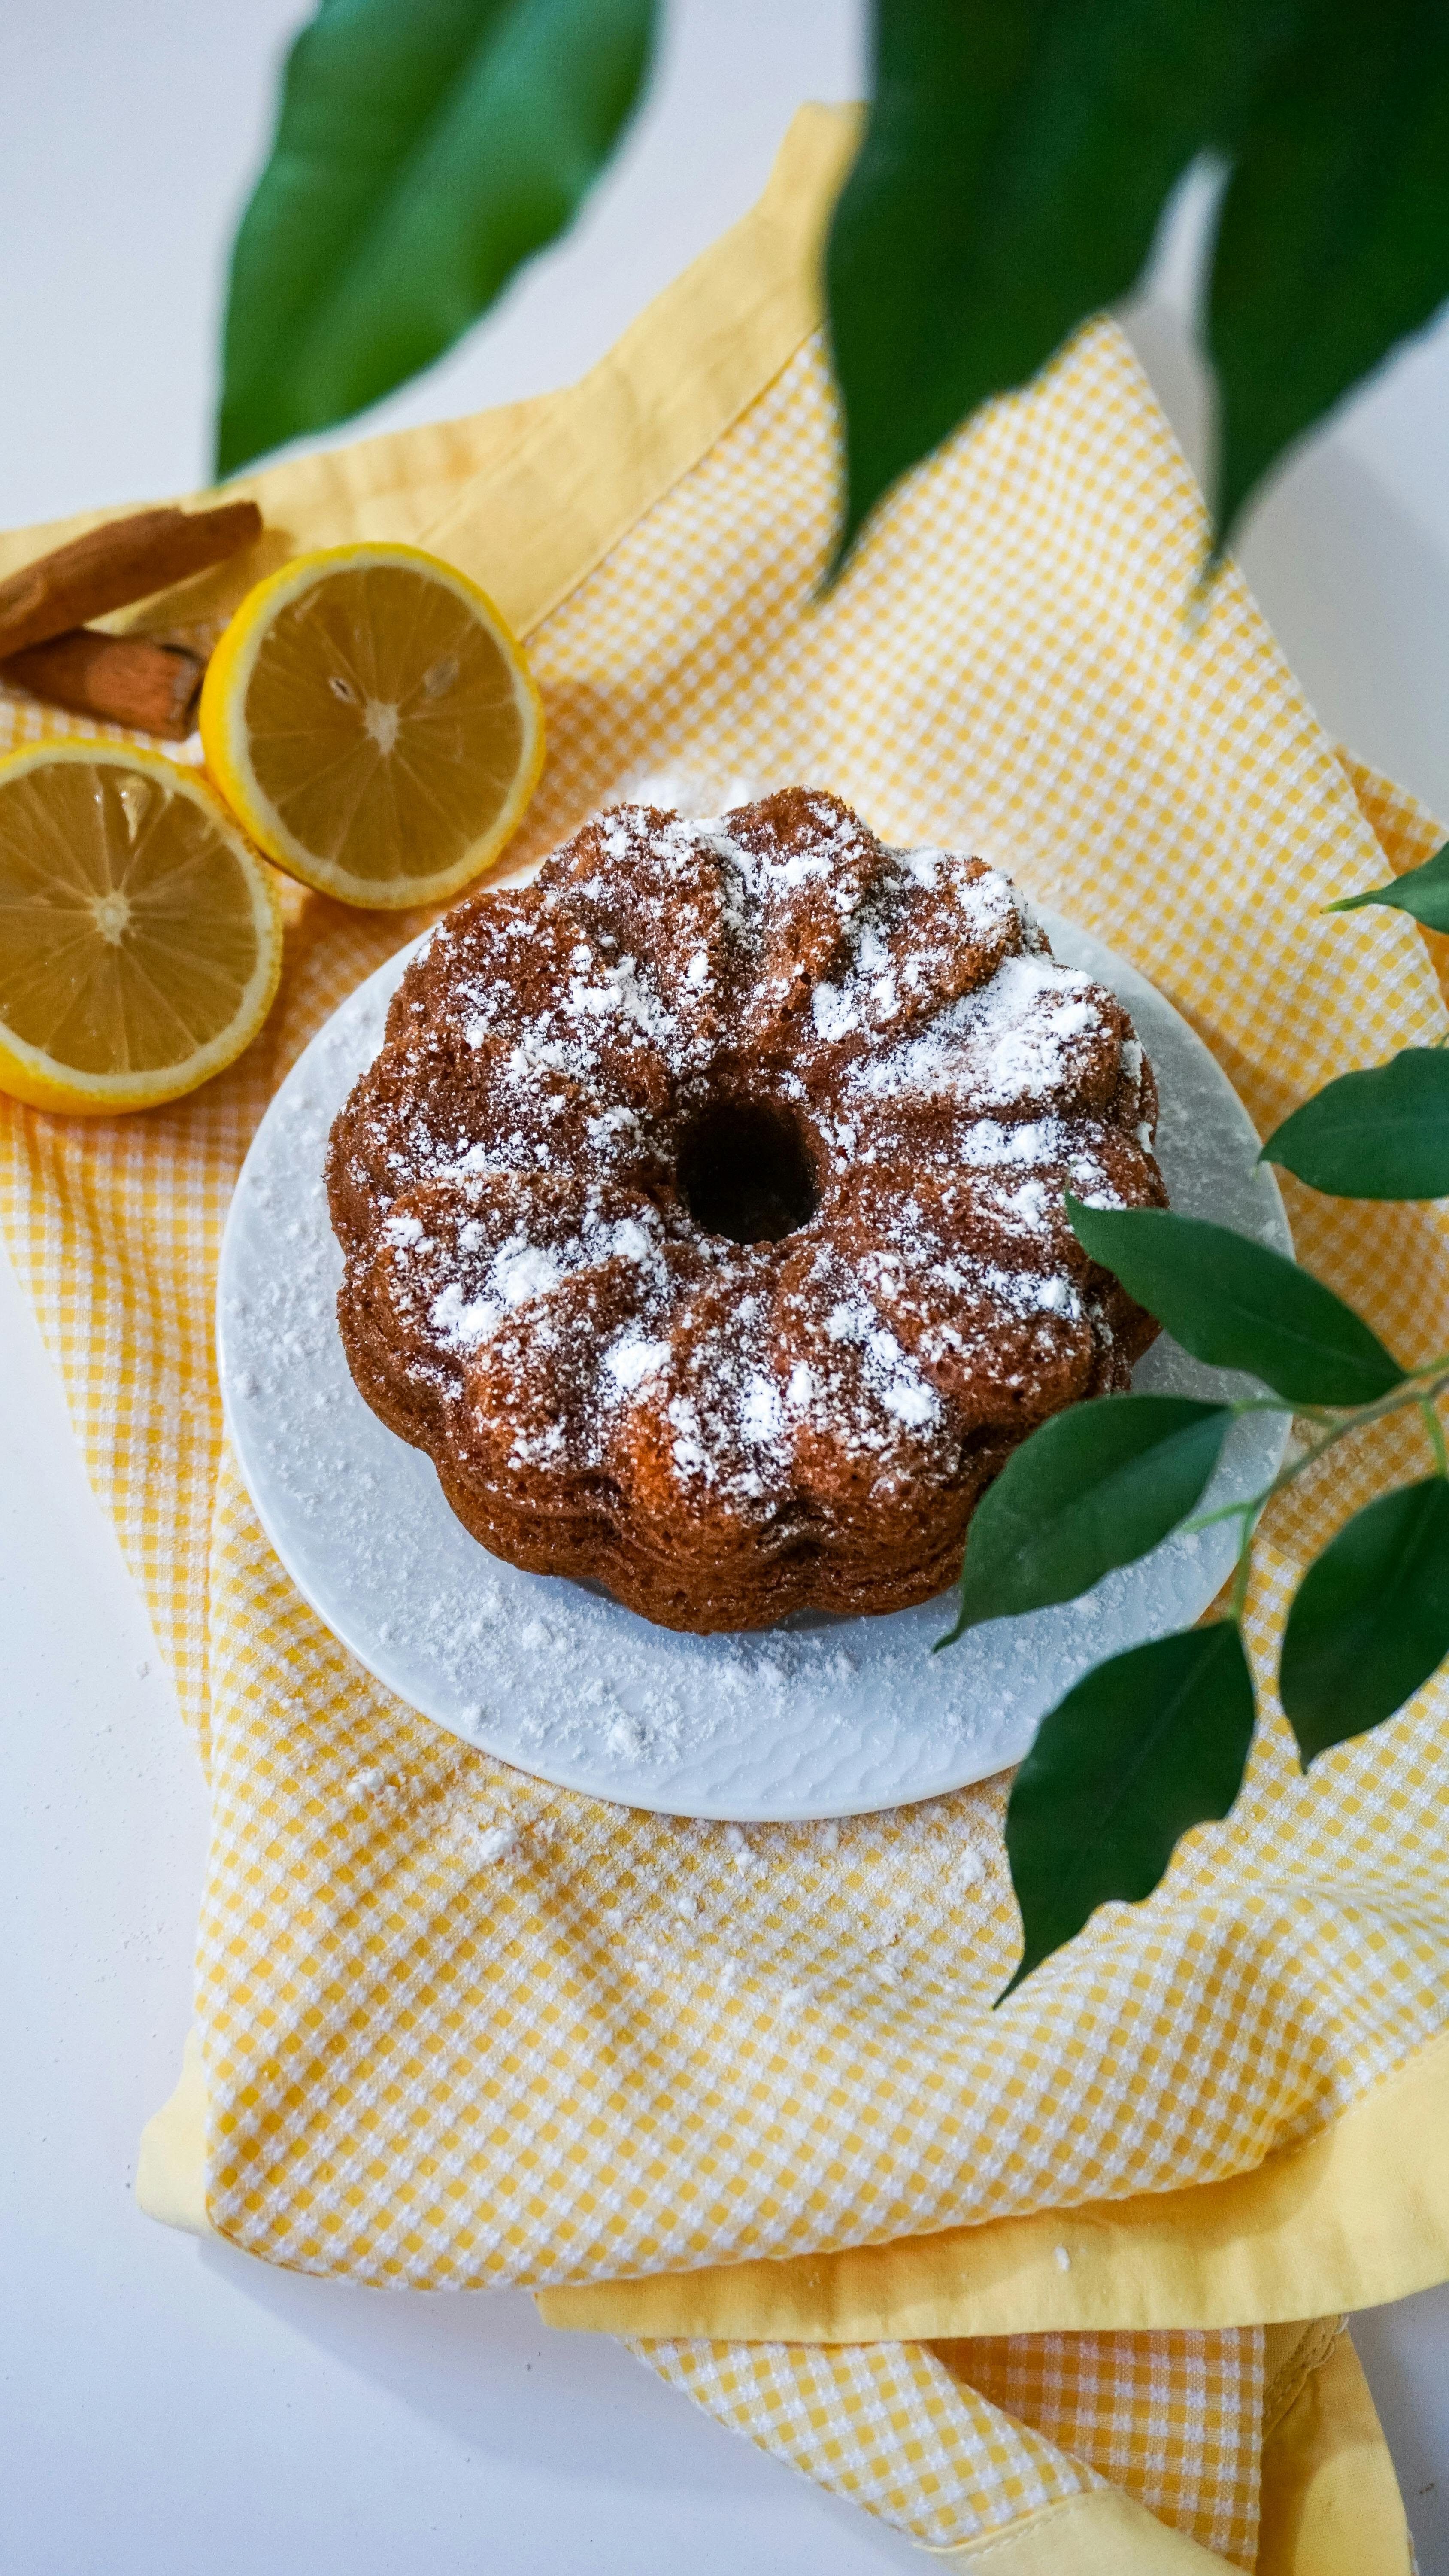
[[166, 2407]]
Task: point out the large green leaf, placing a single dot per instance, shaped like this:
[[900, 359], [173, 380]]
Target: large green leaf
[[425, 148], [1377, 1135], [1013, 169], [1333, 241], [1370, 1620], [1093, 1488], [1238, 1305], [1422, 891], [1146, 1745]]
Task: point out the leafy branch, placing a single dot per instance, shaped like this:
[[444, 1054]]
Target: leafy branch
[[1155, 1740], [1384, 1133], [1016, 162]]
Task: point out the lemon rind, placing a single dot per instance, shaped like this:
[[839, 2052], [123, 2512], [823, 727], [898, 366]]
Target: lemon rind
[[228, 757]]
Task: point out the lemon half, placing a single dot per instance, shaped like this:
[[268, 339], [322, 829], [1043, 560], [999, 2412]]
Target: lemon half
[[140, 938], [371, 720]]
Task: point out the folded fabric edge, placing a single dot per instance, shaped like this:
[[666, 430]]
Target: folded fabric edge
[[1330, 2501], [1290, 2352], [171, 2164], [1348, 2219], [603, 451], [1100, 2533]]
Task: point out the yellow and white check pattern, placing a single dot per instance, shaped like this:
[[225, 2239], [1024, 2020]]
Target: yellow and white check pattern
[[422, 2068], [952, 2441]]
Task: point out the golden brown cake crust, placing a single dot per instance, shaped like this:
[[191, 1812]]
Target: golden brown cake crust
[[704, 1210]]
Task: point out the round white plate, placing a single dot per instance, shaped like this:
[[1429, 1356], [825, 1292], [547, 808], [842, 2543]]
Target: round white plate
[[820, 1716]]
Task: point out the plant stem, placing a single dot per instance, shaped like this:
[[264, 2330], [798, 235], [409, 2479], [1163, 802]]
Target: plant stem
[[1354, 1420], [1435, 1429], [1407, 1390]]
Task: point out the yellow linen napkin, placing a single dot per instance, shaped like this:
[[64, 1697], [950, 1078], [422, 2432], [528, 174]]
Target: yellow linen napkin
[[1002, 2277]]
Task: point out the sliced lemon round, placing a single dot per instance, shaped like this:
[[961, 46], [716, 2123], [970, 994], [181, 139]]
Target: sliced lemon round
[[140, 938], [372, 722]]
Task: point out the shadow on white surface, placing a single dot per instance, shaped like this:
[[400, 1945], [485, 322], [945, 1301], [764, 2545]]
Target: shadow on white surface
[[461, 2359], [583, 2436], [1357, 593], [1405, 2354]]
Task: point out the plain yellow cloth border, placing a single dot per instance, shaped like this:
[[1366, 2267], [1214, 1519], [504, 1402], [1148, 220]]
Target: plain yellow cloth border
[[1330, 2503], [171, 2163]]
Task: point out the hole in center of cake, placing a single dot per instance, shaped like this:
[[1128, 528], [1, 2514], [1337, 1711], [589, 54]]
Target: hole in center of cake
[[745, 1171]]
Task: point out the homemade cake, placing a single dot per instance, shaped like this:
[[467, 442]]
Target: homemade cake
[[704, 1208]]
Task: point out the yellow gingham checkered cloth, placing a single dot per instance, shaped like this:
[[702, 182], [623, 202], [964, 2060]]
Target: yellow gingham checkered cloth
[[1003, 2278]]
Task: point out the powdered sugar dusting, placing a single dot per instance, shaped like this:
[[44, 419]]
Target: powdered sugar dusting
[[592, 1352]]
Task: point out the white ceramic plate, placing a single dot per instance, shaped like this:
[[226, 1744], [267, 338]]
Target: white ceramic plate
[[818, 1717]]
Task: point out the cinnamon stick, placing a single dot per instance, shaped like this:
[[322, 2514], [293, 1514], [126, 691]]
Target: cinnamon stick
[[124, 679], [110, 567]]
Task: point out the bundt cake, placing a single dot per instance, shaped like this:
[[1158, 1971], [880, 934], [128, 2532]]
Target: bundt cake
[[704, 1214]]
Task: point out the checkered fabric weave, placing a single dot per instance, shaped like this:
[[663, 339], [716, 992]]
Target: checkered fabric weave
[[950, 2441], [425, 2067]]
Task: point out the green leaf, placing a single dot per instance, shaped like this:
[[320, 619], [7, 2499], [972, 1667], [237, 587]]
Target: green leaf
[[1333, 241], [1377, 1135], [425, 148], [1093, 1488], [1010, 181], [1422, 891], [1238, 1305], [1144, 1746], [1370, 1619]]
